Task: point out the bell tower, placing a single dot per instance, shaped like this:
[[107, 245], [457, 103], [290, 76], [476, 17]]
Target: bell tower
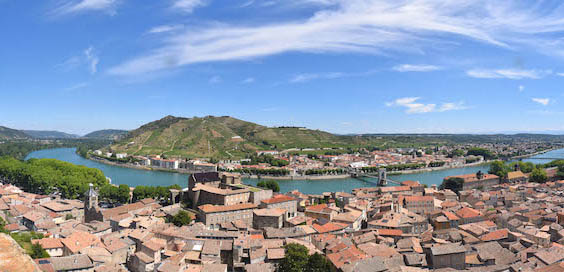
[[91, 210]]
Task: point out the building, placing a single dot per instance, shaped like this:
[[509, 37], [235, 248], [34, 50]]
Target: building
[[272, 218], [477, 181], [284, 202], [449, 255], [417, 204], [212, 216], [91, 210], [517, 177], [53, 246]]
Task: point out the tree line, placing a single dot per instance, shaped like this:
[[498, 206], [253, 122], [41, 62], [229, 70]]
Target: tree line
[[46, 176]]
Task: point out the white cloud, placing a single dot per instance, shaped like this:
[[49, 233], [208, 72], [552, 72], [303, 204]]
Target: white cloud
[[92, 59], [560, 74], [361, 26], [521, 88], [165, 28], [215, 79], [542, 101], [507, 73], [412, 106], [415, 68], [76, 6], [307, 77], [188, 6], [76, 86], [248, 80]]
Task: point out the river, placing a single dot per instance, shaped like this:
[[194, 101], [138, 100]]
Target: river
[[135, 177]]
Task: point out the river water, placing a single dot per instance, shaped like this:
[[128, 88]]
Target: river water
[[135, 177]]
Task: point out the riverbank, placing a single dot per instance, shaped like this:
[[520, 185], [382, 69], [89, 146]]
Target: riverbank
[[317, 177]]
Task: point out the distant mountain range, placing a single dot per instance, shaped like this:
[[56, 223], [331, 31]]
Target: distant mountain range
[[11, 134], [49, 134], [14, 134]]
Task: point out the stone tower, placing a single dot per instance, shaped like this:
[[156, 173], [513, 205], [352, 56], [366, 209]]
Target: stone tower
[[91, 210]]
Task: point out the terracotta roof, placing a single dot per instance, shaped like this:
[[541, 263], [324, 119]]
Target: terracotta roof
[[495, 235], [278, 199], [269, 212], [515, 175], [48, 243], [468, 213], [329, 227], [79, 240], [389, 232], [413, 198], [473, 177], [394, 189], [208, 208], [451, 216]]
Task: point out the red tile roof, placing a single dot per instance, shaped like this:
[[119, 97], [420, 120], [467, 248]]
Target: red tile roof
[[468, 213], [208, 208], [390, 232], [495, 235], [278, 199], [329, 227]]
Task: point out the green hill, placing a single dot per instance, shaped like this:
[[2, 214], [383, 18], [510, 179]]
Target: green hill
[[49, 134], [106, 134], [12, 134], [222, 137]]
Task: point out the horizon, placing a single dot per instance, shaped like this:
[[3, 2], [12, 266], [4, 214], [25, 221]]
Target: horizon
[[547, 132], [341, 66]]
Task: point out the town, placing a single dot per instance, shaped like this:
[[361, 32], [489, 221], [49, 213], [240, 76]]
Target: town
[[330, 163], [217, 223]]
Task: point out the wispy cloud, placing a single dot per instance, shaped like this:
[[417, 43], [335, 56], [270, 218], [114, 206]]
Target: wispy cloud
[[307, 77], [362, 26], [415, 68], [508, 73], [248, 80], [92, 59], [304, 77], [215, 80], [165, 28], [542, 101], [77, 6], [77, 86], [188, 6], [413, 106], [87, 58], [521, 88]]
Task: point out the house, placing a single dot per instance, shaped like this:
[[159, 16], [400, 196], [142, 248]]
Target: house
[[213, 215], [469, 215], [320, 211], [53, 246], [477, 181], [449, 255], [273, 218], [80, 262], [516, 177], [287, 203], [417, 204]]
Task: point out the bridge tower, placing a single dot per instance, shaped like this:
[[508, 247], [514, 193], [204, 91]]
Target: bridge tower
[[382, 177]]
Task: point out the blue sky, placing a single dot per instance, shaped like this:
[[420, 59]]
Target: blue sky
[[344, 66]]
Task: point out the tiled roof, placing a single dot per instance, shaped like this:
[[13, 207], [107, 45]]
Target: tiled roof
[[48, 243], [468, 213], [278, 199], [208, 208], [329, 227], [495, 235]]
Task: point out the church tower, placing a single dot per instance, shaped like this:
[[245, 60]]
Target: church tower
[[91, 210]]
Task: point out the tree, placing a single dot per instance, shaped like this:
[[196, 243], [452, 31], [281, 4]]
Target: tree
[[318, 263], [37, 252], [123, 193], [269, 184], [476, 151], [538, 175], [296, 259], [454, 184], [499, 169], [182, 218]]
